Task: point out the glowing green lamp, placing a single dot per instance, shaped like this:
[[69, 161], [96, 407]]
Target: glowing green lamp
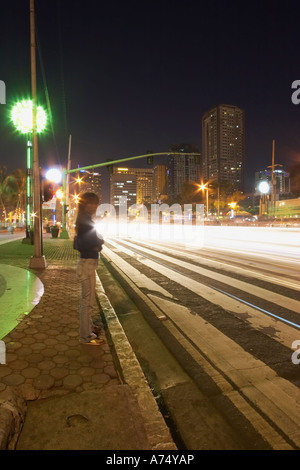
[[21, 116]]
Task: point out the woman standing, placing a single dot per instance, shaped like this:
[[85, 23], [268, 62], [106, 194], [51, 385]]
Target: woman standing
[[89, 243]]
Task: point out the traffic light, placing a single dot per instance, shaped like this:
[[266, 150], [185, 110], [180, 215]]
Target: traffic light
[[49, 190], [150, 158], [110, 168]]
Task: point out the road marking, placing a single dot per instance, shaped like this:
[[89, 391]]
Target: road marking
[[276, 397], [231, 367], [285, 334], [142, 281], [229, 267], [241, 285]]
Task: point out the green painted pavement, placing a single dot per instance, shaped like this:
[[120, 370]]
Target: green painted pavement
[[20, 291]]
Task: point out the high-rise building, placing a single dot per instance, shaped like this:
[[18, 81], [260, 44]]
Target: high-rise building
[[135, 183], [281, 180], [160, 187], [90, 181], [144, 185], [223, 146], [182, 168], [122, 183]]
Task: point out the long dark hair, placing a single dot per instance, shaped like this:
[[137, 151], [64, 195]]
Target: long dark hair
[[83, 200]]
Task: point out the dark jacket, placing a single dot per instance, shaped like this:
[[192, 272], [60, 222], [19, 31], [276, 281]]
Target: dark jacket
[[87, 241]]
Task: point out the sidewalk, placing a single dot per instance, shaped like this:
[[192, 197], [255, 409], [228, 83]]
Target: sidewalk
[[58, 394]]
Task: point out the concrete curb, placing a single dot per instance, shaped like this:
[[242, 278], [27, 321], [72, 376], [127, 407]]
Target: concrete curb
[[157, 431]]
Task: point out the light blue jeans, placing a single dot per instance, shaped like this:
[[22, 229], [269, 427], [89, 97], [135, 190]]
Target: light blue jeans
[[86, 272]]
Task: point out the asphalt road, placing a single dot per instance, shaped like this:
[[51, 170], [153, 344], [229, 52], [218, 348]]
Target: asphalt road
[[219, 331]]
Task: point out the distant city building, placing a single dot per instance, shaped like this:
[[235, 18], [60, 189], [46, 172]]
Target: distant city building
[[144, 185], [282, 180], [90, 181], [122, 183], [181, 169], [223, 146], [160, 186], [135, 183]]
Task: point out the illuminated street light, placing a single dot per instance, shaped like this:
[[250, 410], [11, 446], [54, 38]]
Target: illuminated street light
[[30, 119], [54, 175], [263, 188], [204, 187], [232, 206], [22, 118]]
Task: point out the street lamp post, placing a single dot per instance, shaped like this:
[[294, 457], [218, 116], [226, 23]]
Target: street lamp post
[[21, 116], [263, 188], [232, 206], [30, 119], [38, 260], [204, 187], [64, 232]]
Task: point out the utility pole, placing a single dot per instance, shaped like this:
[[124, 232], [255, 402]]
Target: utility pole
[[69, 168], [273, 191], [38, 260], [68, 180], [65, 200]]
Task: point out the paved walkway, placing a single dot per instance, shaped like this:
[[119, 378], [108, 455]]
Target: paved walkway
[[56, 393]]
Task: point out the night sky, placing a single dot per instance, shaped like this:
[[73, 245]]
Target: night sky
[[125, 77]]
